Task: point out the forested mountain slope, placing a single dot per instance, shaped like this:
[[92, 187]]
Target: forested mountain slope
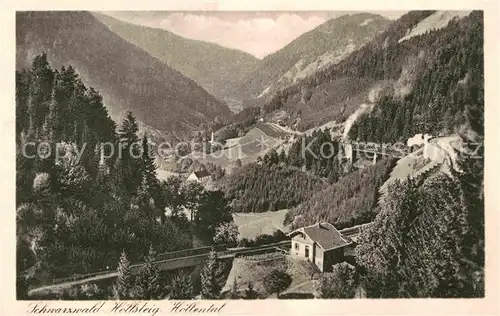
[[427, 237], [127, 77], [436, 71], [449, 78], [211, 66], [269, 186], [350, 201], [325, 45]]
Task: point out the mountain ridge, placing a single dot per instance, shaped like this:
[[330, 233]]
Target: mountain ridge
[[127, 77], [210, 65], [308, 47]]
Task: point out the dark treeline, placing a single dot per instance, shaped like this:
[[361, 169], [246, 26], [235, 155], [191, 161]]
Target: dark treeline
[[77, 215], [269, 186], [319, 153]]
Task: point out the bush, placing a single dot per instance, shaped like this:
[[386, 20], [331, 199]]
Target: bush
[[341, 283], [277, 281]]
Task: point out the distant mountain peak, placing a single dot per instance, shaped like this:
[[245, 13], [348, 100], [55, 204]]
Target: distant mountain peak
[[325, 45], [210, 65]]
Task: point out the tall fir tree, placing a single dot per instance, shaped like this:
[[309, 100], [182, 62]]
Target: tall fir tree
[[123, 284], [148, 279], [148, 168], [40, 90], [129, 129], [22, 94], [130, 153], [54, 117], [181, 288], [211, 275]]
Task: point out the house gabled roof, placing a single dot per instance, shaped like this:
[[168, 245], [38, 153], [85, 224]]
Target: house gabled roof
[[324, 234], [201, 174]]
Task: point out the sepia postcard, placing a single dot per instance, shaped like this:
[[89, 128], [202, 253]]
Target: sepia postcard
[[249, 158]]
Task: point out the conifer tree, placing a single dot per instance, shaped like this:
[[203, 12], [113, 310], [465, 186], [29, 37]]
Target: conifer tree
[[40, 89], [53, 119], [128, 130], [148, 165], [143, 199], [123, 284], [130, 150], [148, 279], [282, 156], [152, 185], [181, 288], [211, 277], [22, 93]]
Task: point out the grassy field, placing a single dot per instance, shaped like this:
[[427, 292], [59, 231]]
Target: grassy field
[[251, 225]]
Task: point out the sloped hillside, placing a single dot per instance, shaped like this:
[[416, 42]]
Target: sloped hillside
[[400, 80], [269, 187], [434, 22], [446, 83], [255, 269], [325, 45], [211, 66], [348, 202], [126, 76]]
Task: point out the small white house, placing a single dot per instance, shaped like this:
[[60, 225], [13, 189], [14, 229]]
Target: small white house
[[201, 176], [321, 243]]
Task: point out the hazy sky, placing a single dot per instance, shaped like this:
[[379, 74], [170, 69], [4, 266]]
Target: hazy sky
[[257, 33]]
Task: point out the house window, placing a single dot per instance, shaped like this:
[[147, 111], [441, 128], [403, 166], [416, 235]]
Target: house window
[[307, 251], [296, 246]]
